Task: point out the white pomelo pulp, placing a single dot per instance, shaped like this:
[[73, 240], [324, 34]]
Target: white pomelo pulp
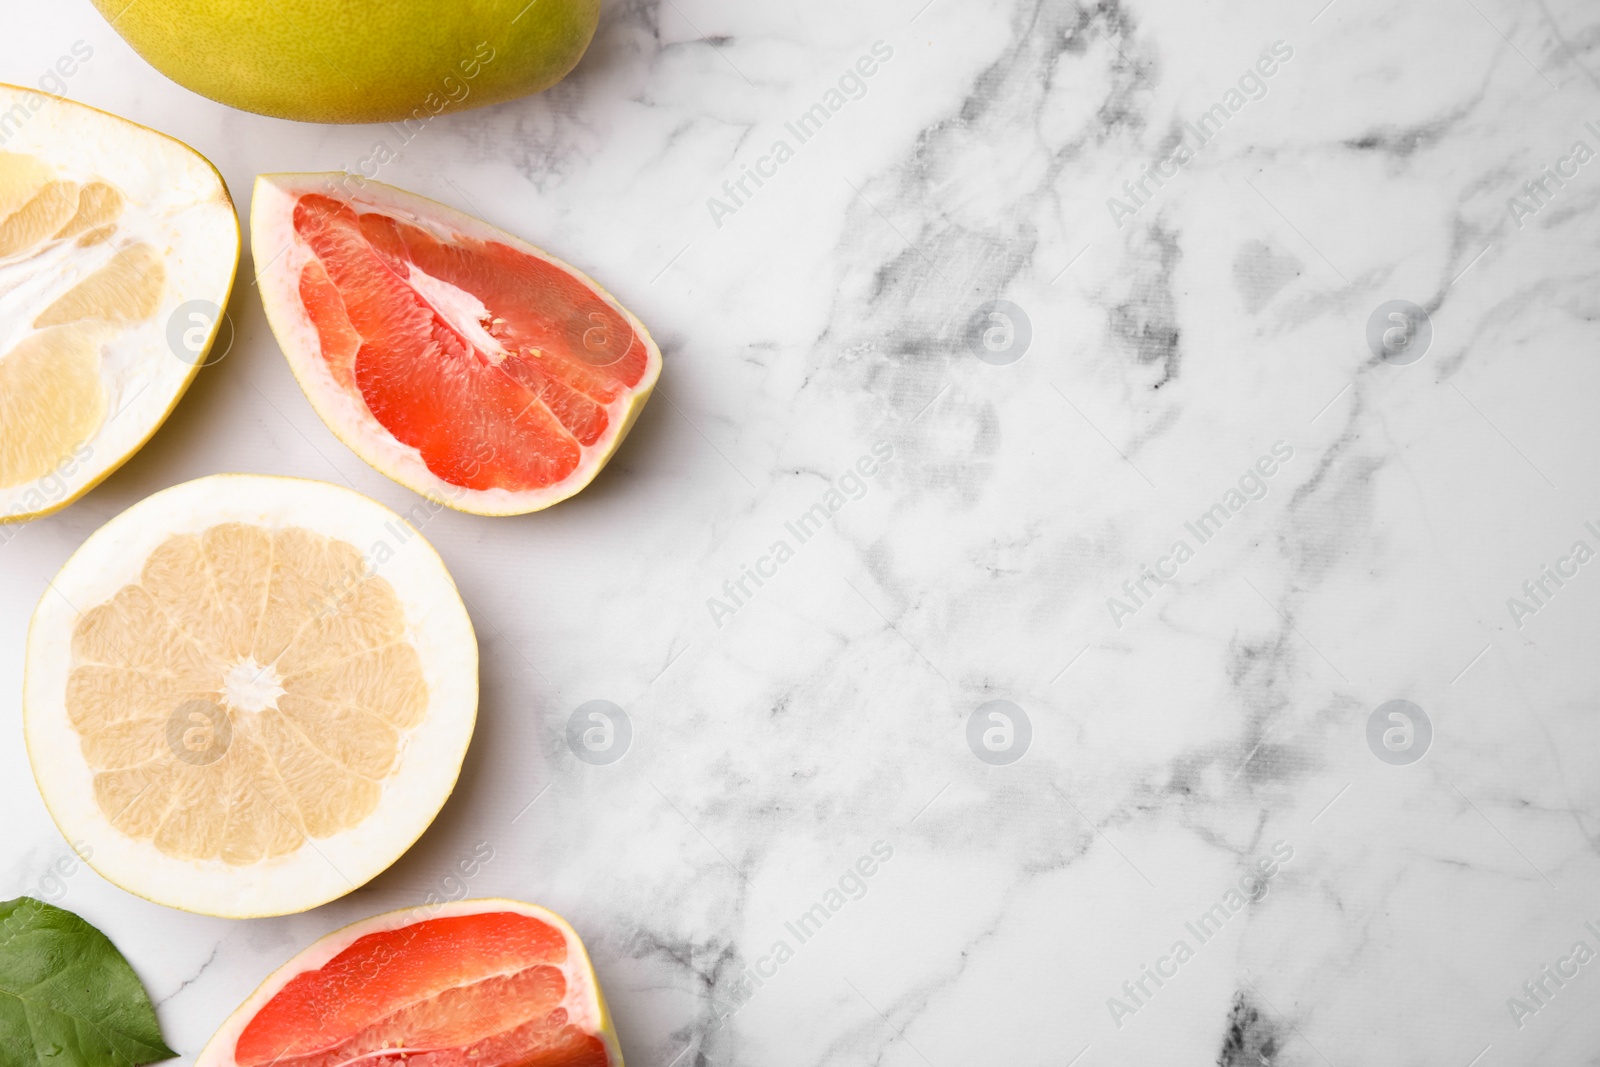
[[249, 695], [118, 248]]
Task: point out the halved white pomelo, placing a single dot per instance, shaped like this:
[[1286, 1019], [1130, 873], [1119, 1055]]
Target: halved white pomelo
[[249, 695], [475, 983], [458, 360], [118, 248]]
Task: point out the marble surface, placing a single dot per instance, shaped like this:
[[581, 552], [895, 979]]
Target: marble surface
[[1185, 731]]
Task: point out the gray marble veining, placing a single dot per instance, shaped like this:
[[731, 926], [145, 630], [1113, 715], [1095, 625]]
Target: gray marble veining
[[1093, 295]]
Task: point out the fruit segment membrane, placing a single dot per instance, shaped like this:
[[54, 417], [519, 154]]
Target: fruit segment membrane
[[480, 990], [251, 690], [499, 367], [66, 286]]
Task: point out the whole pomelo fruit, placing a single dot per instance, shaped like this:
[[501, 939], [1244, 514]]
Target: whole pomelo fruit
[[358, 60]]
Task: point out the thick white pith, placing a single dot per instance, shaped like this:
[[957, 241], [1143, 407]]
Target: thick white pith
[[176, 202], [584, 1003], [281, 256], [437, 626], [251, 686], [464, 313]]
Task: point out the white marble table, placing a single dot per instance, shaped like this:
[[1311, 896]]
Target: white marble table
[[1193, 716]]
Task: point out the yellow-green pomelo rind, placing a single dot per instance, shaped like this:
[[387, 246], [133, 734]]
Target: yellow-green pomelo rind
[[358, 60]]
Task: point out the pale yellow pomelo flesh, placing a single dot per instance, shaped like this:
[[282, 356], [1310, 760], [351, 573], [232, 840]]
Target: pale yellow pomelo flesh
[[240, 710], [360, 61], [109, 233], [51, 400]]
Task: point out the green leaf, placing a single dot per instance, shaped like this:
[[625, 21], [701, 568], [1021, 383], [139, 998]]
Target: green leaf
[[67, 997]]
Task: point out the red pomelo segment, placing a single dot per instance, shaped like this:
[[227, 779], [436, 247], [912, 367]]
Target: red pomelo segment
[[513, 417], [481, 990], [339, 339]]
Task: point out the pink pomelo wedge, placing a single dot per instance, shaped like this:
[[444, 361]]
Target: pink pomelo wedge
[[477, 983], [458, 360]]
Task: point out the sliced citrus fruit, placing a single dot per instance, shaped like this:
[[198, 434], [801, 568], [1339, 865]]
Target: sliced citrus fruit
[[476, 983], [249, 695], [460, 361], [118, 247]]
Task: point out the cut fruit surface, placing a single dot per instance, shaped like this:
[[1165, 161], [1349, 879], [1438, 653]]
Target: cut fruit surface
[[109, 234], [477, 983], [460, 361], [248, 694]]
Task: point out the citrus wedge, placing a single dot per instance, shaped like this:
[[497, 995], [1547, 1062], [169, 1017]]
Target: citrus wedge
[[458, 360], [118, 248], [249, 695], [476, 983]]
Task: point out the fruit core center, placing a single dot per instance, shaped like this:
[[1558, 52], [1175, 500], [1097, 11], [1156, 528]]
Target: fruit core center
[[249, 686], [461, 311]]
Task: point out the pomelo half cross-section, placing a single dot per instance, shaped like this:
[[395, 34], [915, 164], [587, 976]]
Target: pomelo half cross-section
[[118, 247], [460, 361], [476, 983], [249, 695], [358, 60]]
